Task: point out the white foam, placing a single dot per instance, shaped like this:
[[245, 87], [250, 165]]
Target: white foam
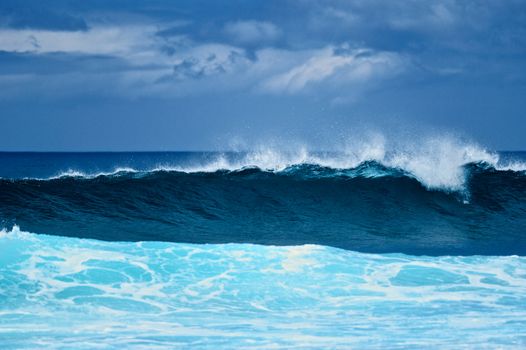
[[190, 295], [437, 162], [85, 175], [16, 233], [512, 166]]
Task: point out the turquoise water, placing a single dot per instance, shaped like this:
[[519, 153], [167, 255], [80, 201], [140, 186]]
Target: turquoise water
[[58, 292]]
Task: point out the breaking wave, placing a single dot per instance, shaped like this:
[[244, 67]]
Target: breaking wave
[[370, 208]]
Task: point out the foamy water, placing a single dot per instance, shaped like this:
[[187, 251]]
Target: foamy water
[[64, 292]]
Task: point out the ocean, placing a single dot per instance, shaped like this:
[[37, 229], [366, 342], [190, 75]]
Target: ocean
[[407, 249]]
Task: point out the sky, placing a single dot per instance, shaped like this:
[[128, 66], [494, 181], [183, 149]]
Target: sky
[[99, 75]]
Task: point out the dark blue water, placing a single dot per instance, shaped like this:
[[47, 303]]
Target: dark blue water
[[477, 207]]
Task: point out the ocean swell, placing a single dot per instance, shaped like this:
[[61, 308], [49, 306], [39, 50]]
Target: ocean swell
[[369, 208]]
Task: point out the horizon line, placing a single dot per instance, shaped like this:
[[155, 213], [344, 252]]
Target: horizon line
[[187, 151]]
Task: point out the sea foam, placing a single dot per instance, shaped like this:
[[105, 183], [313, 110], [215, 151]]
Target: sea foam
[[161, 295], [437, 162]]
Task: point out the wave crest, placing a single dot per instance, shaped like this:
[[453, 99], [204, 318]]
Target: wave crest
[[437, 164]]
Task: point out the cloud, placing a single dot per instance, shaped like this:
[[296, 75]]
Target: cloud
[[206, 60], [121, 41], [339, 65], [174, 66], [431, 16], [409, 14], [102, 59], [252, 32]]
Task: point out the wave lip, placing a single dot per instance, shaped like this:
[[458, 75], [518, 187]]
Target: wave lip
[[438, 163], [71, 173], [451, 178]]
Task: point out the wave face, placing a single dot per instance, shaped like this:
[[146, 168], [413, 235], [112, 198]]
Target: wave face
[[58, 292], [469, 208]]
